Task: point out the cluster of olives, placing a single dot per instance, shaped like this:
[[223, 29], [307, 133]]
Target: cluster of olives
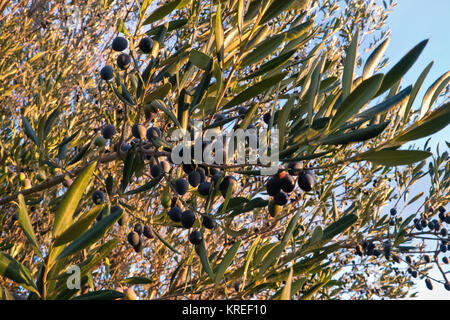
[[123, 61], [435, 227], [282, 184], [197, 177], [139, 132], [413, 272], [203, 179], [368, 248], [135, 239]]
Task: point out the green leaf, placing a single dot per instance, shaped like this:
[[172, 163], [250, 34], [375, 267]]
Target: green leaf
[[249, 116], [256, 89], [401, 68], [263, 49], [406, 222], [282, 120], [286, 292], [218, 74], [199, 59], [415, 198], [306, 157], [122, 92], [234, 233], [129, 167], [168, 245], [49, 123], [183, 109], [355, 136], [159, 104], [92, 235], [295, 287], [68, 205], [121, 27], [432, 93], [415, 90], [234, 203], [136, 280], [356, 100], [374, 59], [314, 84], [256, 38], [339, 226], [271, 257], [395, 157], [80, 226], [299, 5], [270, 65], [101, 295], [202, 87], [386, 105], [317, 234], [62, 147], [241, 14], [200, 249], [226, 261], [149, 185], [275, 9], [165, 10], [28, 129], [109, 185], [290, 228], [173, 25], [248, 259], [25, 223], [349, 66], [14, 270], [5, 294], [80, 154], [160, 93], [244, 207], [218, 33], [278, 249], [313, 290], [436, 121], [90, 262], [298, 31]]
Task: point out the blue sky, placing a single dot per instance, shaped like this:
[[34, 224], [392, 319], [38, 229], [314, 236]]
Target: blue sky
[[411, 22]]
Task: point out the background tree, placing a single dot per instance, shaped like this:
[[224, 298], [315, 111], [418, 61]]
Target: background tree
[[71, 128]]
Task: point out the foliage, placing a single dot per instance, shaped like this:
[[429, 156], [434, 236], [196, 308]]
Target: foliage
[[343, 115]]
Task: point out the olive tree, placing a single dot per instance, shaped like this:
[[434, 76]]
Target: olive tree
[[94, 205]]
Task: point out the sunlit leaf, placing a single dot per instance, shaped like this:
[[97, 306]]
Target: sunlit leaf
[[401, 68], [434, 122], [203, 255], [68, 205], [226, 261], [356, 100], [432, 93], [165, 10], [254, 90], [395, 157], [92, 235], [374, 59], [349, 65], [25, 223]]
